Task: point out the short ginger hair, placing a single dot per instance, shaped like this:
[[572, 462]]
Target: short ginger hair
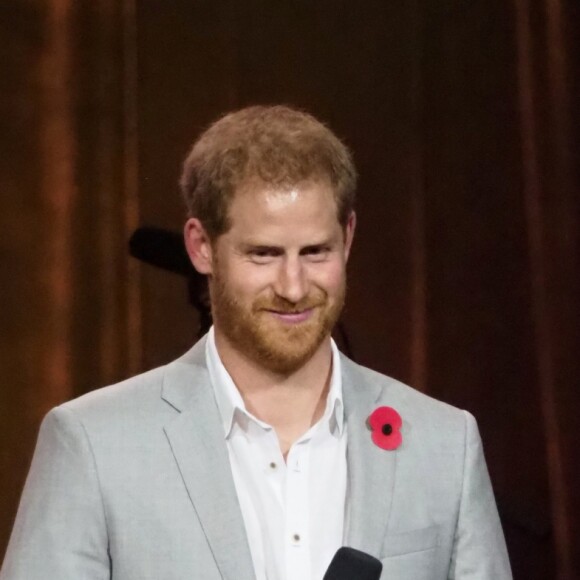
[[273, 145]]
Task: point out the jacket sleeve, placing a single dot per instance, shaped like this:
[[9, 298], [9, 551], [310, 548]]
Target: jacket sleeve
[[479, 551], [60, 531]]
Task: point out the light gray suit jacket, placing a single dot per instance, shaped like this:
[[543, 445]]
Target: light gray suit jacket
[[133, 482]]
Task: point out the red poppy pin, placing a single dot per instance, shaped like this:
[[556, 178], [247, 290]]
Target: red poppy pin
[[385, 424]]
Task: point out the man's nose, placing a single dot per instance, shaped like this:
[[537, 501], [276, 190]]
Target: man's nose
[[292, 281]]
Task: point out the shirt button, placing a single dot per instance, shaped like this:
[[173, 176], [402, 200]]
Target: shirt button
[[273, 465], [296, 538]]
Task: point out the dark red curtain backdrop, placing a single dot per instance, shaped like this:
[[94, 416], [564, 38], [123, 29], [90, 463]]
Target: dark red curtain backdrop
[[464, 280]]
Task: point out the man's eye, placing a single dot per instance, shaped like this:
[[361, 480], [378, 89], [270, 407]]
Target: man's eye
[[262, 254], [317, 253]]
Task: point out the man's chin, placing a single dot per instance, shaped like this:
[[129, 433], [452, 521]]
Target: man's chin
[[284, 363], [287, 348]]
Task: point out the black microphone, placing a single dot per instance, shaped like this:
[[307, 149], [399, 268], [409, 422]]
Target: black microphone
[[351, 564], [164, 249]]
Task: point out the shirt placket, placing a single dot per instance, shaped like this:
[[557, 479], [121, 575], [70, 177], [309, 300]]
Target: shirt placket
[[297, 526]]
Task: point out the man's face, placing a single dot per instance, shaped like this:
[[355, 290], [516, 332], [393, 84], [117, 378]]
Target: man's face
[[278, 275]]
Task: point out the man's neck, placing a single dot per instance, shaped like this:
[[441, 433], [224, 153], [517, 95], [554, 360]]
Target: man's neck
[[290, 403]]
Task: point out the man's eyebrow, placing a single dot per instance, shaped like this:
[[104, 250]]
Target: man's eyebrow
[[263, 247], [323, 244], [253, 246]]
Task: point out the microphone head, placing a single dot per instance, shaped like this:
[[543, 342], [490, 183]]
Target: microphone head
[[351, 564]]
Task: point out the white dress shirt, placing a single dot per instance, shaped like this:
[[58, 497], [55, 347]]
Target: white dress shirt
[[293, 511]]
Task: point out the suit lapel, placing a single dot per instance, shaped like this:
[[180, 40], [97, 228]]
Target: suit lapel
[[198, 445], [371, 470]]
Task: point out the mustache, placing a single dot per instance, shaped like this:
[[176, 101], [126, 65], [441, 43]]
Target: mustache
[[284, 306]]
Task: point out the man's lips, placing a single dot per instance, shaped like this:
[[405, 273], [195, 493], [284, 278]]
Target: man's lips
[[292, 317]]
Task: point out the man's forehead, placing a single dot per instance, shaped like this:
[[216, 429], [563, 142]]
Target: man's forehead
[[253, 185], [281, 198], [278, 199]]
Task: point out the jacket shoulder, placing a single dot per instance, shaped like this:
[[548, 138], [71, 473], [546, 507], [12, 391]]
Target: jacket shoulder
[[415, 405], [140, 396], [132, 394]]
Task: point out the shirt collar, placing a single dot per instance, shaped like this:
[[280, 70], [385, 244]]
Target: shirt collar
[[229, 400]]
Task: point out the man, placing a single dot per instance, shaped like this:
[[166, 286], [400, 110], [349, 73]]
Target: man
[[262, 450]]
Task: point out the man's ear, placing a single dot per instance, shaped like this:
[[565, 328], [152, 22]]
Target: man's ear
[[349, 234], [198, 246]]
